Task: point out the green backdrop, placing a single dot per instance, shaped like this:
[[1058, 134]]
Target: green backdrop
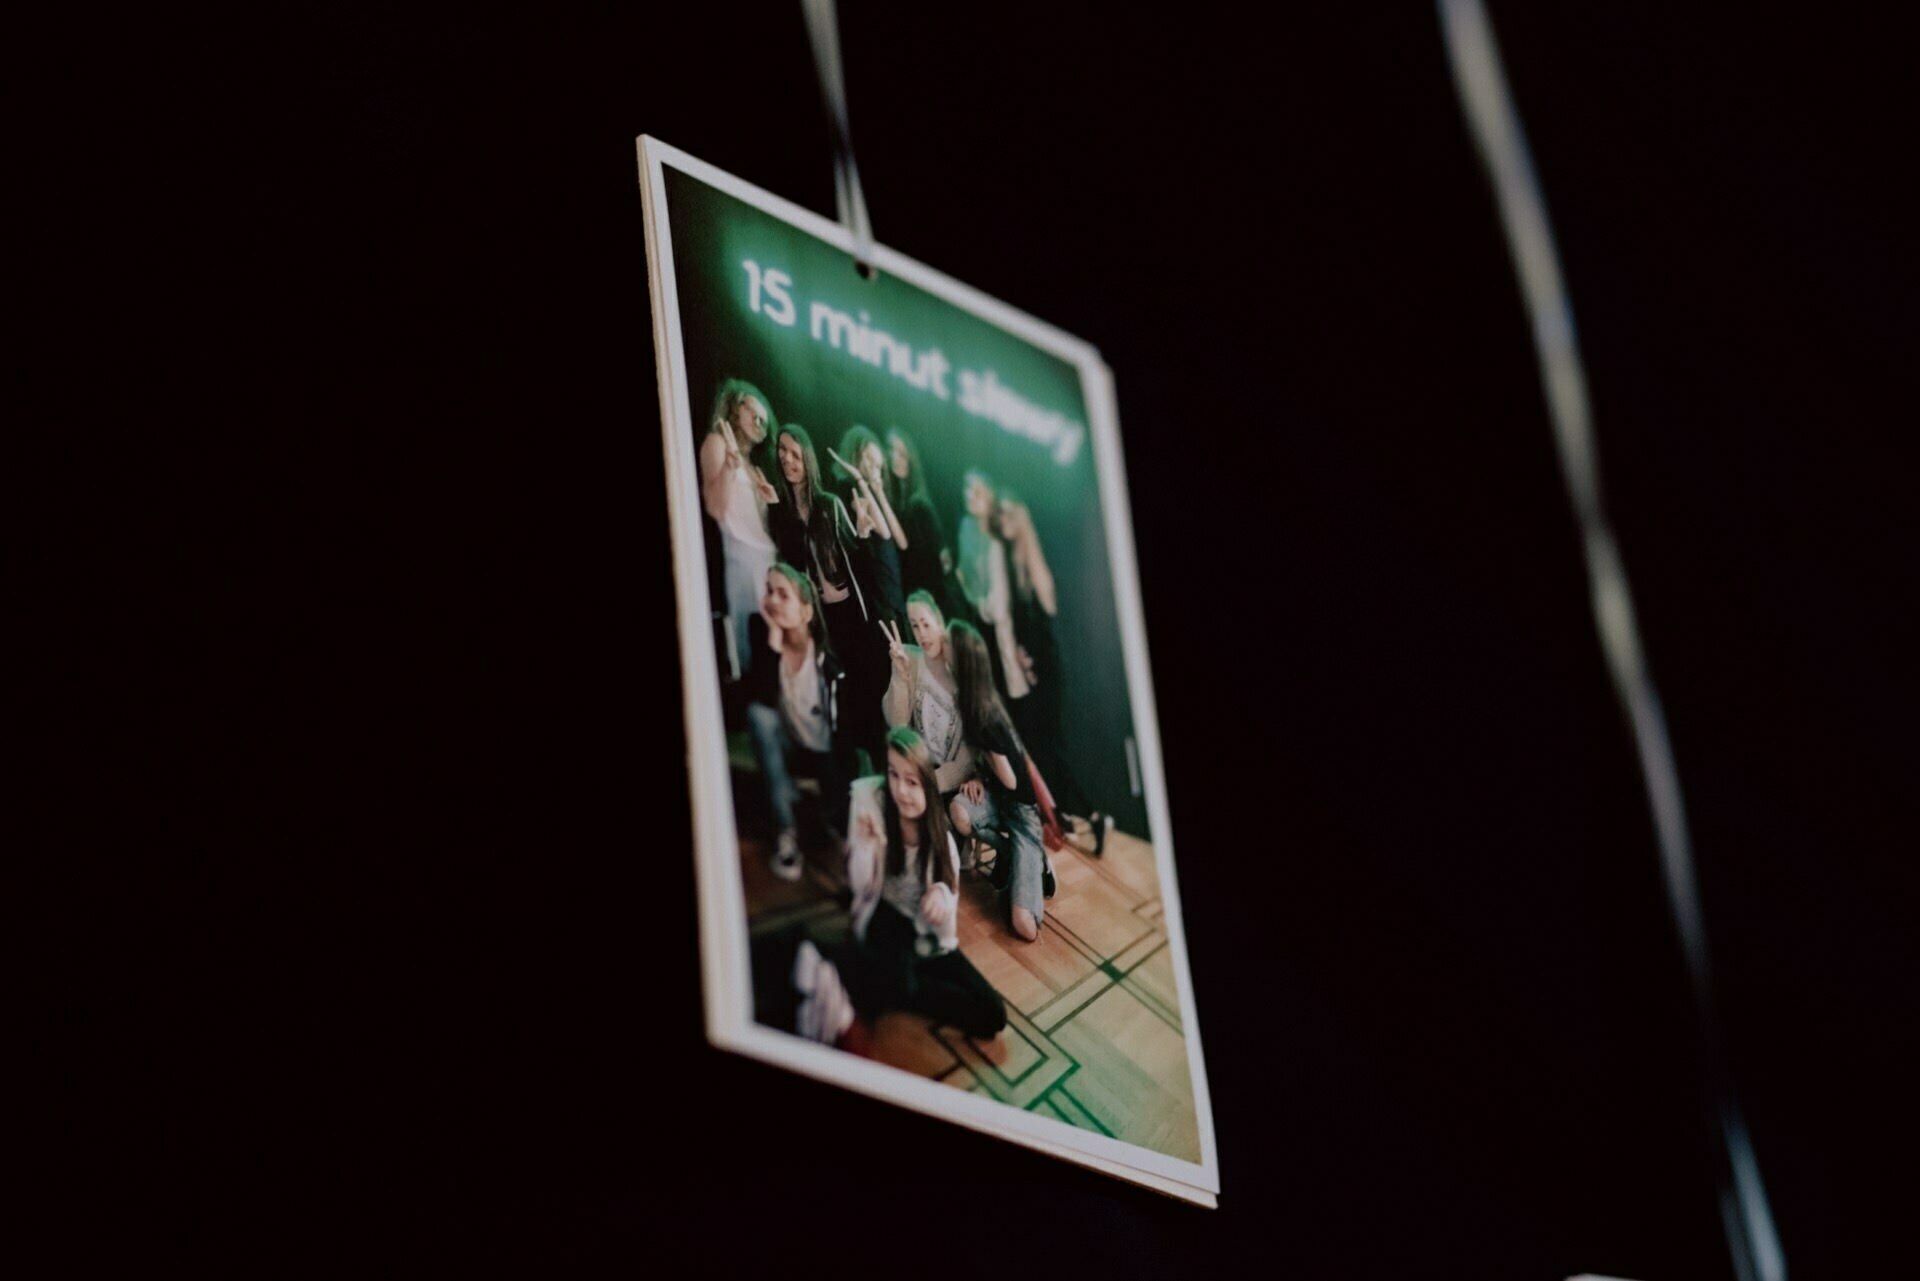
[[827, 390]]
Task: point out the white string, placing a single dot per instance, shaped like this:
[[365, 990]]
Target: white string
[[1496, 127], [850, 203]]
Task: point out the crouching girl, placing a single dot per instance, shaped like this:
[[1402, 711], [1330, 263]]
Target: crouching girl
[[999, 806], [904, 868]]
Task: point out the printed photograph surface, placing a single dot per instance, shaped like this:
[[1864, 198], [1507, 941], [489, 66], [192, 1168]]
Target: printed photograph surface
[[928, 803]]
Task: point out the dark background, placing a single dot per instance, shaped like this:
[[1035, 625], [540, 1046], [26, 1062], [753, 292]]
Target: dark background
[[389, 701]]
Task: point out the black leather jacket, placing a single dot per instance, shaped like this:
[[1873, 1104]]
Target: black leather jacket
[[763, 672]]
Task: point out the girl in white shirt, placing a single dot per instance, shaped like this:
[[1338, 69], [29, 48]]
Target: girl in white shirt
[[736, 494], [904, 867]]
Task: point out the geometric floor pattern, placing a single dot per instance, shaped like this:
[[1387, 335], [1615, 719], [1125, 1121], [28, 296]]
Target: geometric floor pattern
[[1094, 1035]]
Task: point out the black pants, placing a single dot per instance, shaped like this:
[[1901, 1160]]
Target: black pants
[[885, 973], [862, 652], [890, 597]]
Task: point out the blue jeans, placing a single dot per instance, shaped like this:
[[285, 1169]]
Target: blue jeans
[[1022, 822], [776, 751]]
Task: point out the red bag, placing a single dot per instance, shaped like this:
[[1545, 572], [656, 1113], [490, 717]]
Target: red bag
[[1051, 834]]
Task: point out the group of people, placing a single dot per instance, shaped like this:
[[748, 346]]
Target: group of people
[[865, 643]]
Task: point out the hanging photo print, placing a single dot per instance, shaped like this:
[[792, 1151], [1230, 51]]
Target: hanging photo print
[[930, 823]]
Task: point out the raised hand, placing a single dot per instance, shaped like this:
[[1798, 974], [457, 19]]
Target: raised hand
[[896, 650], [867, 827], [974, 790], [776, 635], [936, 908], [1026, 665], [763, 487], [847, 467], [734, 456], [867, 521]]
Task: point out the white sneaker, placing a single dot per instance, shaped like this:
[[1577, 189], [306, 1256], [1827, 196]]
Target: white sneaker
[[806, 966], [786, 857], [826, 1011]]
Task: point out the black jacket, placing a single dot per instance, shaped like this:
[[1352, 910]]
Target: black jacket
[[763, 672], [792, 539]]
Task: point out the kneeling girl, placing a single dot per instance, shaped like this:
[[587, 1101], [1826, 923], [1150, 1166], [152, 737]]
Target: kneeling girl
[[1000, 805]]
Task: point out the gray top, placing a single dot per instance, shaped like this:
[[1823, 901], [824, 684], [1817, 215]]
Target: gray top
[[927, 700]]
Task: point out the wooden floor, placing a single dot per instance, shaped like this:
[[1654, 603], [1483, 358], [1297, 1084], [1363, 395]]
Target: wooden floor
[[1094, 1035]]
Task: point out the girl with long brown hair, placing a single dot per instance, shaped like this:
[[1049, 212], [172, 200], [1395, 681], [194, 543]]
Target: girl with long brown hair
[[813, 531], [999, 805], [904, 954], [863, 462]]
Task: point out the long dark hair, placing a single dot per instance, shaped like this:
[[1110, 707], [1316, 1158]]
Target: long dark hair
[[934, 863], [857, 439], [809, 459], [903, 489], [980, 707], [824, 511]]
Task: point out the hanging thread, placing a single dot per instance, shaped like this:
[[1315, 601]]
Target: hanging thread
[[850, 203], [1496, 127]]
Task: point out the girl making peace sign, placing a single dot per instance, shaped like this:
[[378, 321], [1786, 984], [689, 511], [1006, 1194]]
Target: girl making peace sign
[[924, 694], [862, 461], [904, 869], [736, 495], [811, 527]]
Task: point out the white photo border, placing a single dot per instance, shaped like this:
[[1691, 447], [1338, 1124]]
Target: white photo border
[[724, 949]]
